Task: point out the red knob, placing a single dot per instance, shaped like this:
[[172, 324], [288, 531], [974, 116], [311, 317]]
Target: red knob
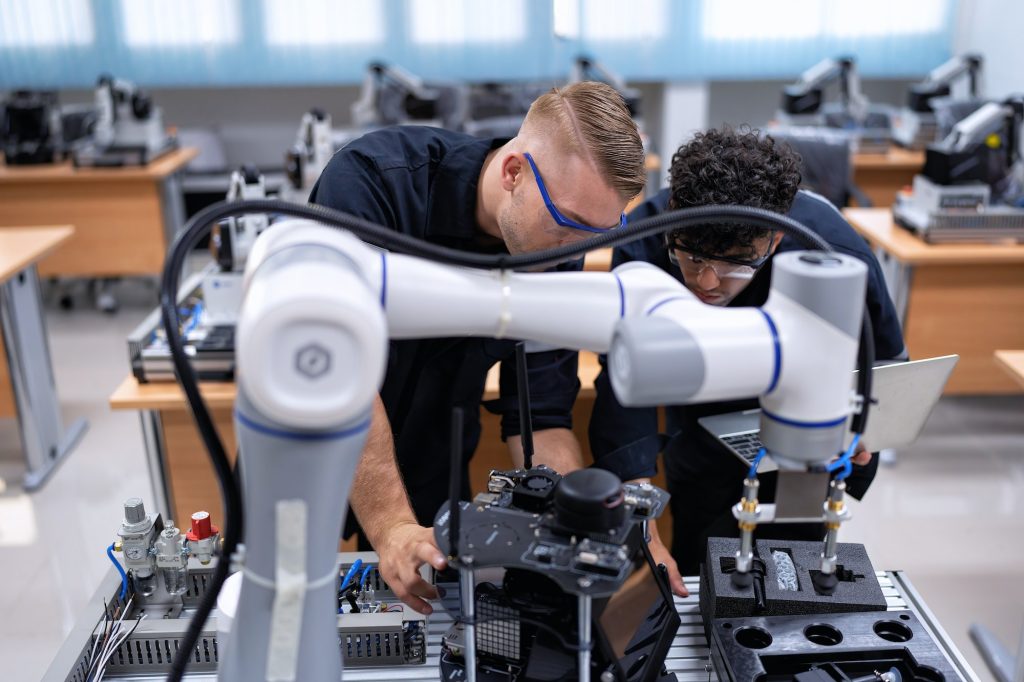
[[202, 528]]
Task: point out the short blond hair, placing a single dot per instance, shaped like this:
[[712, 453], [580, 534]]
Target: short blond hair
[[591, 119]]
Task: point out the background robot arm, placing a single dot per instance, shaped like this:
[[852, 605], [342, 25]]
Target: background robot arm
[[939, 80], [805, 96], [307, 158], [995, 117]]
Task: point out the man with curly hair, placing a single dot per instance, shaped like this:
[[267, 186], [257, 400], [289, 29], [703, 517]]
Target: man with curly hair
[[724, 265]]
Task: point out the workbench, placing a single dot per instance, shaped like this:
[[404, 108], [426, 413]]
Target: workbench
[[689, 657], [951, 298], [881, 176]]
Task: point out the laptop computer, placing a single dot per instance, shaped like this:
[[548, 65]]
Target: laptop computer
[[905, 393]]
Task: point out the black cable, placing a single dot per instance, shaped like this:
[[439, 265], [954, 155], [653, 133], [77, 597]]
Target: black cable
[[865, 358], [383, 237], [230, 491], [197, 227], [455, 485], [525, 416]]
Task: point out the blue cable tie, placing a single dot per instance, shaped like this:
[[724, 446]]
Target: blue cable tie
[[757, 460], [351, 572], [117, 565]]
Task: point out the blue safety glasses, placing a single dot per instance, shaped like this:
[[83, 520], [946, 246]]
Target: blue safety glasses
[[556, 214]]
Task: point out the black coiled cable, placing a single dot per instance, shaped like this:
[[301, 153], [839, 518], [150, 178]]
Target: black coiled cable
[[197, 227]]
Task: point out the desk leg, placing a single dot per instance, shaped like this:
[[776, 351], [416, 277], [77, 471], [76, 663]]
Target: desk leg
[[156, 462], [172, 205], [43, 437], [897, 279]]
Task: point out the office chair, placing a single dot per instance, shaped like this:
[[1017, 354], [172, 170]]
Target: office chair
[[826, 162]]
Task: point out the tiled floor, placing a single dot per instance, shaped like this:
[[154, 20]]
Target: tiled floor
[[951, 513]]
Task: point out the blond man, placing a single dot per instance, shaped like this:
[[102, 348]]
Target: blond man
[[568, 174]]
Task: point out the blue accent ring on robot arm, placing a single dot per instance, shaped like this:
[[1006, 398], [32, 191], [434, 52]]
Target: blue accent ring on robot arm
[[301, 435]]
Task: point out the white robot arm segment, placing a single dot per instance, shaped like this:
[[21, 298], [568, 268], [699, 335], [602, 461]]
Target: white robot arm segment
[[665, 346], [318, 310]]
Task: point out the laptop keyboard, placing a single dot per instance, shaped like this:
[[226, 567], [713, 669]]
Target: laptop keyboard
[[746, 444]]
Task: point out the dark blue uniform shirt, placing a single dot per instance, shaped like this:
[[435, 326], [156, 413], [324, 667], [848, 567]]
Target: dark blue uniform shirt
[[704, 478], [623, 439], [423, 182]]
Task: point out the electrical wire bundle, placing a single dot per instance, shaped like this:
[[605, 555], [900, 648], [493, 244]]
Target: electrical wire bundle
[[355, 592], [201, 223], [114, 634]]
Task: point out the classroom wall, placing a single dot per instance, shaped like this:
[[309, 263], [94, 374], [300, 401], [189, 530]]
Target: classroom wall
[[993, 28]]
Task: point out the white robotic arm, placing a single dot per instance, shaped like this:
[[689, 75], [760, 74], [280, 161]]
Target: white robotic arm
[[307, 158], [312, 337], [794, 352]]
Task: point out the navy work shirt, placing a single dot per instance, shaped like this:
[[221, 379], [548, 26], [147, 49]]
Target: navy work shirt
[[422, 182], [625, 440]]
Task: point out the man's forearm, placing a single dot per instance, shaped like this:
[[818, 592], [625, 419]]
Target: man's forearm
[[556, 448], [379, 498]]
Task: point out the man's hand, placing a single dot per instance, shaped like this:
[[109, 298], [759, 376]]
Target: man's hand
[[661, 555], [382, 507], [405, 548], [861, 455]]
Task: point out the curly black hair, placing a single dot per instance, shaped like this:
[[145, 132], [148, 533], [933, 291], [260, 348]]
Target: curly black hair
[[727, 166]]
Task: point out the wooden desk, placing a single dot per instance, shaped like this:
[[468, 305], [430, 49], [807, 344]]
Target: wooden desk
[[880, 176], [27, 388], [123, 217], [952, 298], [1012, 362]]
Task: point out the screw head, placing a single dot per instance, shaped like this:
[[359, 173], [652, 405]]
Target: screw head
[[313, 361]]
